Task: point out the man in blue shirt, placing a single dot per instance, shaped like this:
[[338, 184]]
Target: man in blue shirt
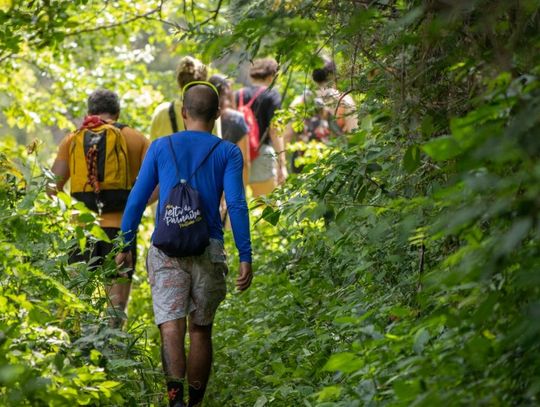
[[194, 285]]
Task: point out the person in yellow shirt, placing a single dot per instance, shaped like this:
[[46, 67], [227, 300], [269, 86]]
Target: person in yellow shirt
[[167, 117], [103, 108]]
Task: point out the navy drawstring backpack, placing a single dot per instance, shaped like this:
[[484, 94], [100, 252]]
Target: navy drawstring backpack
[[181, 229]]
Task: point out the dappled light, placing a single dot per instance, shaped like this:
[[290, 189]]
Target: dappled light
[[393, 189]]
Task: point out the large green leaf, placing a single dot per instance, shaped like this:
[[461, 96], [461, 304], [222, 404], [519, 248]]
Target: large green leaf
[[442, 148]]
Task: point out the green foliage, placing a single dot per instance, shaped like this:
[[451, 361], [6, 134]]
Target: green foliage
[[56, 347], [400, 268], [368, 292]]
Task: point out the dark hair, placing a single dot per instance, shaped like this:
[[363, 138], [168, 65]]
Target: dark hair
[[201, 103], [224, 87], [103, 101], [220, 82], [263, 68], [321, 75]]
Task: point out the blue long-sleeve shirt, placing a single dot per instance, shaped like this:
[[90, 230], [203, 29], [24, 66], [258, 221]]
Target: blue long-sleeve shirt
[[222, 172]]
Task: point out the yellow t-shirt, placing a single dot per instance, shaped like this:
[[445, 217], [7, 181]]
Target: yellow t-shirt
[[161, 121], [137, 145]]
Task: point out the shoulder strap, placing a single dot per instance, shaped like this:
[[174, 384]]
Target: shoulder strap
[[241, 98], [264, 137], [172, 116], [204, 159], [174, 158], [119, 126], [199, 166], [255, 96]]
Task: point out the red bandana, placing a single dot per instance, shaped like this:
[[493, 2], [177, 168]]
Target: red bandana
[[92, 121]]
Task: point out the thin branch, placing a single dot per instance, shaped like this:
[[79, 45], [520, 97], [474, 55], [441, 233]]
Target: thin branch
[[421, 264], [6, 57], [373, 59], [214, 16], [354, 204], [287, 84], [167, 22], [354, 63], [96, 13], [342, 96], [114, 25]]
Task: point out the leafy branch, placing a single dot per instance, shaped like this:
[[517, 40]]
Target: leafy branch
[[146, 15]]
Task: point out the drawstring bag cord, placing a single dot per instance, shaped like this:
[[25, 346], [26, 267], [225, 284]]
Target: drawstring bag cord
[[93, 180], [90, 122]]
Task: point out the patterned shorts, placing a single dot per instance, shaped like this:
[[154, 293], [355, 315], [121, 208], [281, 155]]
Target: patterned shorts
[[187, 285]]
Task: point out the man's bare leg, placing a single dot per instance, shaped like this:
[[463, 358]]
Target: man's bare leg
[[173, 356], [118, 294], [199, 361]]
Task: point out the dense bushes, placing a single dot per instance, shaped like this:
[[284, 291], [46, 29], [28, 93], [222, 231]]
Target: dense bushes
[[401, 268], [56, 347], [369, 292]]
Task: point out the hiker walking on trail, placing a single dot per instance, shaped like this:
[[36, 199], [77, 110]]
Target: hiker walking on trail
[[233, 125], [102, 159], [327, 112], [338, 104], [259, 103], [167, 117], [186, 262]]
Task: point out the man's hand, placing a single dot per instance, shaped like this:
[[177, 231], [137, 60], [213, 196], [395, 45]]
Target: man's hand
[[245, 276], [124, 260], [60, 170]]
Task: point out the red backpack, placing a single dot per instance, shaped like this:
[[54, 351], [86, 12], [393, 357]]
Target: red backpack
[[251, 121]]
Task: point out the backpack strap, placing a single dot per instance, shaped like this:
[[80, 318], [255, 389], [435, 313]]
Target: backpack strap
[[255, 96], [205, 158], [174, 158], [172, 117], [199, 166], [241, 98], [119, 126]]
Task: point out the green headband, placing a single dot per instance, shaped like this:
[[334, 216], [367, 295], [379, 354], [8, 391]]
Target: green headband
[[190, 84]]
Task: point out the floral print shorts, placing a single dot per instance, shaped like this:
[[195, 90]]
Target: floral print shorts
[[187, 285]]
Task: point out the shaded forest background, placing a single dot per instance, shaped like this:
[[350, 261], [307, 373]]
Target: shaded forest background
[[400, 268]]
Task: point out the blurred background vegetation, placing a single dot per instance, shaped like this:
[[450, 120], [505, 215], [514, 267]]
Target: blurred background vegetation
[[400, 268]]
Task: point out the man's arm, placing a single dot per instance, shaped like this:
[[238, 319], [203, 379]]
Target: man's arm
[[138, 198], [238, 211], [60, 167], [146, 144]]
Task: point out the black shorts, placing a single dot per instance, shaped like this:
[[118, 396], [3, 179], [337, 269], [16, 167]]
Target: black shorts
[[100, 250]]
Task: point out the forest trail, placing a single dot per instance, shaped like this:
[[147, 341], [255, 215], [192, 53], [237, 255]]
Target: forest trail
[[443, 171]]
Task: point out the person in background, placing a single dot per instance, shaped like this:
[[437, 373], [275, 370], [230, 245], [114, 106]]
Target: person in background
[[191, 286], [327, 112], [167, 117], [340, 105], [72, 160], [268, 165], [233, 126]]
